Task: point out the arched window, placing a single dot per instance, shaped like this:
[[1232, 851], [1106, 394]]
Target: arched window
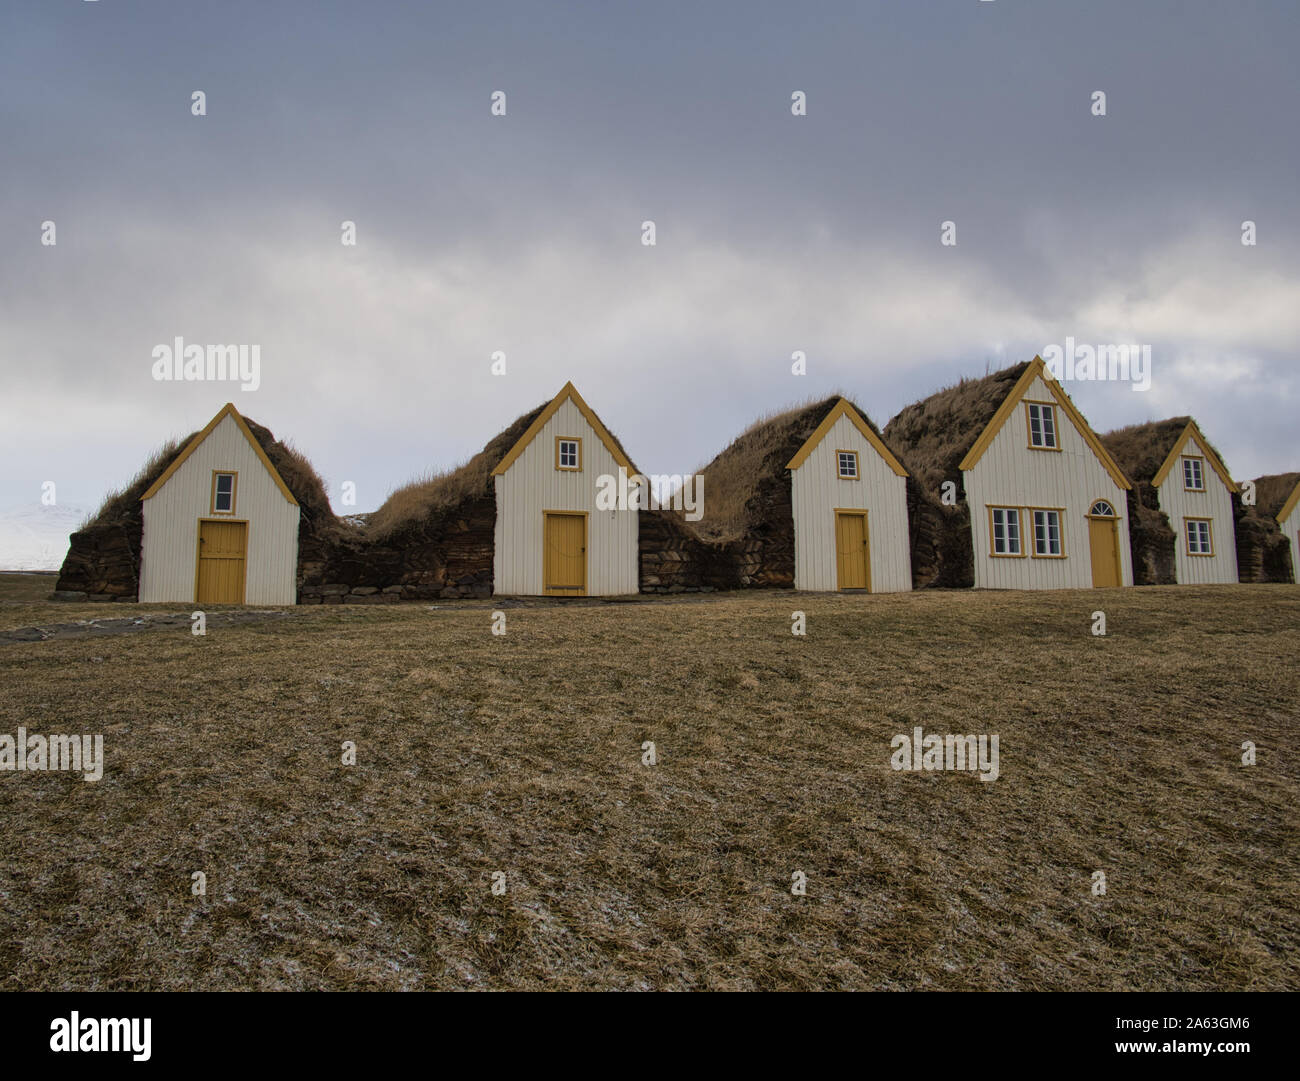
[[1102, 509]]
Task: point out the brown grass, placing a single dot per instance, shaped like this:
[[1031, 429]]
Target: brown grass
[[293, 466], [436, 492], [732, 479], [125, 501], [521, 753], [1141, 449], [932, 436], [734, 499], [1272, 492]]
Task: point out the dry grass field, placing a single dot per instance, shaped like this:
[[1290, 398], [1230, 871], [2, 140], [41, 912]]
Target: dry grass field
[[522, 754]]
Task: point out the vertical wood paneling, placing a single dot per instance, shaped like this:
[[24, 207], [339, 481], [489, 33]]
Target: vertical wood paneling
[[1291, 527], [1010, 474], [1214, 503], [532, 485], [170, 546], [817, 490]]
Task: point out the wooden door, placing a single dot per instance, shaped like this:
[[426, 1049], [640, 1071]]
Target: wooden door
[[223, 556], [1103, 539], [852, 552], [564, 558]]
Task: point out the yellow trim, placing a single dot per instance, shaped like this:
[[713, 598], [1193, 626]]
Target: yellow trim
[[1033, 539], [857, 465], [866, 543], [1112, 517], [1289, 505], [1185, 458], [1029, 427], [234, 489], [843, 409], [568, 439], [548, 591], [198, 556], [1187, 540], [1112, 542], [1020, 532], [227, 410], [1192, 431], [1036, 369], [567, 393]]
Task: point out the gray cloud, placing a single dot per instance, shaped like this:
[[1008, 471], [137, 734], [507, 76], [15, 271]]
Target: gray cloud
[[522, 234]]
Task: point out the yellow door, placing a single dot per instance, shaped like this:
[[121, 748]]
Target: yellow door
[[564, 566], [852, 561], [223, 553], [1103, 539]]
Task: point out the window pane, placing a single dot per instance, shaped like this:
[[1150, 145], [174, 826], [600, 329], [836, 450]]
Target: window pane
[[1049, 427], [224, 496]]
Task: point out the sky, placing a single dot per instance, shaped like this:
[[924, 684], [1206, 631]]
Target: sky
[[523, 233]]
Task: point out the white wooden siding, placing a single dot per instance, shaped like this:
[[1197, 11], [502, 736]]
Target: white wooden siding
[[1073, 478], [171, 524], [1291, 527], [533, 485], [1214, 503], [817, 490]]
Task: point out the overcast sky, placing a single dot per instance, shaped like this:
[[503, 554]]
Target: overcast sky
[[523, 233]]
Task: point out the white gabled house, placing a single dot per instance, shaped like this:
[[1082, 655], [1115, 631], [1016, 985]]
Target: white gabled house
[[550, 537], [1047, 501], [1195, 492], [849, 501], [220, 524]]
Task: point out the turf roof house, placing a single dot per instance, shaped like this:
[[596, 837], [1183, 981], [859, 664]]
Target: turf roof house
[[550, 536], [1046, 501], [1191, 486], [849, 504], [811, 498], [228, 514], [220, 523]]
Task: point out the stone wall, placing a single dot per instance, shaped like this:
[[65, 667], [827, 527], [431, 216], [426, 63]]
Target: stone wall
[[674, 559], [940, 542], [447, 555], [1151, 539], [1263, 551], [102, 564]]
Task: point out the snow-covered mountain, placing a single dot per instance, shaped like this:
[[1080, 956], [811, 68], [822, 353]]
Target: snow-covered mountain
[[34, 537]]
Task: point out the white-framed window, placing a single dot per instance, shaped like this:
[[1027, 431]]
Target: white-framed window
[[1193, 475], [1047, 533], [848, 464], [1199, 540], [223, 493], [568, 453], [1042, 425], [1006, 531], [1102, 509]]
